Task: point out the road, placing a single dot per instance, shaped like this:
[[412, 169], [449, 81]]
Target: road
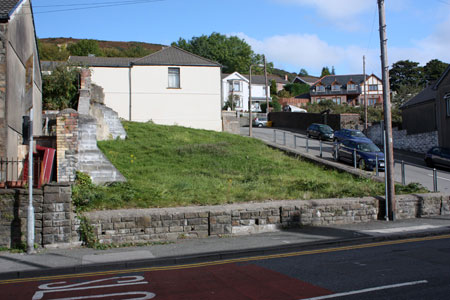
[[415, 169], [399, 269]]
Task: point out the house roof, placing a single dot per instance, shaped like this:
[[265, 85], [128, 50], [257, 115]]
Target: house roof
[[303, 96], [259, 79], [442, 77], [427, 94], [307, 79], [7, 7], [342, 79], [168, 56], [175, 56], [94, 61]]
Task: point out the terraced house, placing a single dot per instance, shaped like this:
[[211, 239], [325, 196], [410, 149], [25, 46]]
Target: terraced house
[[20, 77], [348, 89]]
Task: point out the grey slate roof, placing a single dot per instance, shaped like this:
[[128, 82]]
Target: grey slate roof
[[169, 56], [7, 7], [427, 94], [260, 79], [174, 56], [307, 79], [342, 79], [93, 61]]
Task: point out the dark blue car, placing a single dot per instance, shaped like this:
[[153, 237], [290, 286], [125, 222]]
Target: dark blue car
[[349, 134], [367, 154]]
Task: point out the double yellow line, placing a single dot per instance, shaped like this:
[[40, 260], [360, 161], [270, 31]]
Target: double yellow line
[[227, 261]]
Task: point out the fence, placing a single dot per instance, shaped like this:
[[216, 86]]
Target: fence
[[325, 149], [14, 172]]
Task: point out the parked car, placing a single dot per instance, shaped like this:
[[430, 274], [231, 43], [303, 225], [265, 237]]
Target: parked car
[[260, 122], [348, 134], [320, 131], [366, 154], [438, 157]]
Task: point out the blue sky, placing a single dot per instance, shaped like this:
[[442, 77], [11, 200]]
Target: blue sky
[[293, 34]]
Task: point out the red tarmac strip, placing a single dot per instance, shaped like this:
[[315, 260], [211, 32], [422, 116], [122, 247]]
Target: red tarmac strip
[[228, 281]]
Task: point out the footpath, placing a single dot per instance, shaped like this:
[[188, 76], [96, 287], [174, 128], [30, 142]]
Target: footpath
[[81, 259]]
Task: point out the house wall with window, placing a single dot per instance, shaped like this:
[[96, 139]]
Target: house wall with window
[[374, 91], [195, 103], [20, 77]]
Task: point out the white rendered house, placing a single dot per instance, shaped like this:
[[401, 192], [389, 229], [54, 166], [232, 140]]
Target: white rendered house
[[236, 86], [168, 87]]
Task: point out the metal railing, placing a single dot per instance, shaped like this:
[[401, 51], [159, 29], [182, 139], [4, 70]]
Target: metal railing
[[307, 147], [12, 172]]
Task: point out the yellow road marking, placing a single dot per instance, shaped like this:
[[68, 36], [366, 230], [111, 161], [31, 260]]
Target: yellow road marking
[[227, 261]]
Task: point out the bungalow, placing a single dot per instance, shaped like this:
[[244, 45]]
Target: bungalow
[[169, 87], [348, 89], [20, 77]]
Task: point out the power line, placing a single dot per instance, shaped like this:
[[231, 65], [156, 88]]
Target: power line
[[89, 3], [99, 5], [371, 31]]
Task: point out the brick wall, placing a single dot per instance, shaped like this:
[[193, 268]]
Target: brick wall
[[67, 145]]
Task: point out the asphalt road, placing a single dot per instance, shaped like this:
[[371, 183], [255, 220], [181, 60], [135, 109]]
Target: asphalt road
[[401, 269], [415, 168]]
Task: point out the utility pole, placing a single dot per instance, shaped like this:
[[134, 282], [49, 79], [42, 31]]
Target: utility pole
[[267, 89], [389, 155], [250, 123], [30, 211], [365, 94]]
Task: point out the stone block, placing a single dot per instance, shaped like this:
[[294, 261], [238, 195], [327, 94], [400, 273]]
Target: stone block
[[176, 229], [191, 215]]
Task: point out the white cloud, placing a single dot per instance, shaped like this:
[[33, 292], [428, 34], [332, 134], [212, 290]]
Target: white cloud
[[335, 9], [296, 51]]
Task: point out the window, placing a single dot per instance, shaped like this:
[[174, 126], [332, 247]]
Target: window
[[351, 87], [174, 78], [373, 87], [335, 88], [372, 101], [236, 86], [447, 104], [337, 100], [320, 88]]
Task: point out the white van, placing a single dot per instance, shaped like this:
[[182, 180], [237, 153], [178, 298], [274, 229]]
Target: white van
[[292, 108]]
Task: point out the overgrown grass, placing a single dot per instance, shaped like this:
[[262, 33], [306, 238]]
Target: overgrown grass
[[176, 166]]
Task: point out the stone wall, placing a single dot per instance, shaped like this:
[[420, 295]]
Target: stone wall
[[52, 211], [419, 143], [3, 125], [230, 122]]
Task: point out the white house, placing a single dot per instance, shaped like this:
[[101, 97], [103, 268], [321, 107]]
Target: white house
[[169, 87], [236, 86]]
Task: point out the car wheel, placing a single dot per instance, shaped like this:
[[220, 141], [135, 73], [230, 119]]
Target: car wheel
[[260, 125], [362, 164], [429, 162]]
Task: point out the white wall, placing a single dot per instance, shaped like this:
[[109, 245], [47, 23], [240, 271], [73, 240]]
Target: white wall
[[258, 90], [115, 84], [196, 104]]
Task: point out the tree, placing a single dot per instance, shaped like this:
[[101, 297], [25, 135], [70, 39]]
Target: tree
[[60, 88], [434, 69], [303, 72], [274, 104], [325, 72], [52, 52], [296, 89], [405, 72], [84, 48], [333, 72], [273, 87], [232, 52], [404, 94]]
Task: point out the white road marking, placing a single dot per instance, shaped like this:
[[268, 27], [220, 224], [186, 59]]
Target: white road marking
[[402, 229], [384, 287], [439, 177]]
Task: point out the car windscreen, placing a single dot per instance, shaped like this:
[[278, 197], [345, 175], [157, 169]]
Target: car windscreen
[[325, 129], [368, 147], [357, 134]]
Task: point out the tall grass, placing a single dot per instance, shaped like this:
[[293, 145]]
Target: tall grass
[[176, 166]]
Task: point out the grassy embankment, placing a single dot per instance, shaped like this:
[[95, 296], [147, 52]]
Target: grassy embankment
[[175, 166]]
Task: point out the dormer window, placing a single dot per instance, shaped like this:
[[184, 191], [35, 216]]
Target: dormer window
[[335, 87], [320, 88], [351, 86]]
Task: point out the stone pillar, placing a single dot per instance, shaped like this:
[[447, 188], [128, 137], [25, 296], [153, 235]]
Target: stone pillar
[[67, 145], [84, 101], [56, 215], [3, 125]]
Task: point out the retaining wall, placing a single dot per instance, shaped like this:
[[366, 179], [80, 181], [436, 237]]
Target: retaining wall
[[144, 225]]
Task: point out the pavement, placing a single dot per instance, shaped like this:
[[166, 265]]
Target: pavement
[[80, 259]]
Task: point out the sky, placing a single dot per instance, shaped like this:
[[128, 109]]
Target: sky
[[293, 34]]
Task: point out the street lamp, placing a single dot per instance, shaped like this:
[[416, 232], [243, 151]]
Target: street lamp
[[250, 123]]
